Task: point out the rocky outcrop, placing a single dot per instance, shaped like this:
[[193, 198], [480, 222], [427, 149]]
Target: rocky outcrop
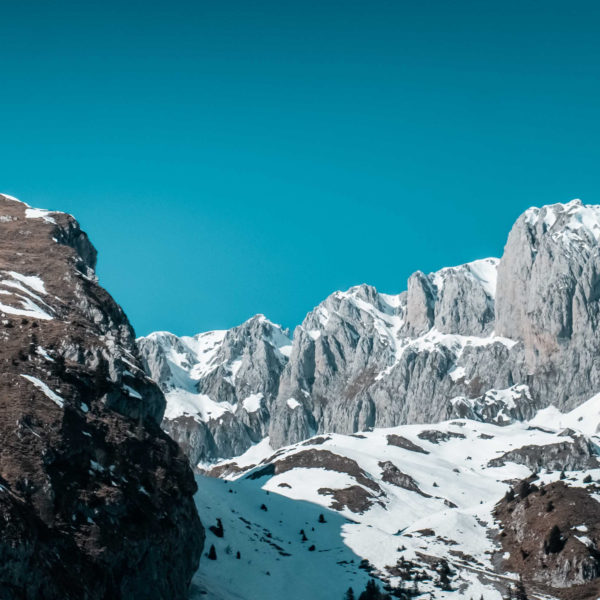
[[219, 385], [96, 501], [576, 454], [550, 536], [498, 406], [363, 359], [548, 298], [459, 342]]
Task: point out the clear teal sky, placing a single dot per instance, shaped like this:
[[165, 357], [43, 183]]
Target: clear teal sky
[[229, 158]]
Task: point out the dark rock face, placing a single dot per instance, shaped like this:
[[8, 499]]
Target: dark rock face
[[96, 502], [402, 442], [550, 537], [392, 474]]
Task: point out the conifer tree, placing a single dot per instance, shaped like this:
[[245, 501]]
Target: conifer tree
[[520, 592], [554, 542], [444, 574]]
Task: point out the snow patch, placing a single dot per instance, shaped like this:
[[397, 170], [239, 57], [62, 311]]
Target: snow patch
[[45, 389], [39, 213], [31, 281], [252, 403], [292, 403], [133, 393]]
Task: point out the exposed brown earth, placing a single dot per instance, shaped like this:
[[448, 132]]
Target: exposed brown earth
[[96, 502], [315, 459], [392, 474], [355, 498], [552, 535]]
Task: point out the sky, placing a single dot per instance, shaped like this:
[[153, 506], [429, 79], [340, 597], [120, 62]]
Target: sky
[[232, 158]]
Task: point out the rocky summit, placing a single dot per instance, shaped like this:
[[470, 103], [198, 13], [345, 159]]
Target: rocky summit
[[96, 501]]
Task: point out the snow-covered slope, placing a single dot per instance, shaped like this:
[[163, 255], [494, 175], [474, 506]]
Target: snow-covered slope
[[414, 416], [413, 496], [274, 561]]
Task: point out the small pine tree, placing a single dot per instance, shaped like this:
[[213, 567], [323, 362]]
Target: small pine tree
[[554, 542], [371, 592], [59, 365], [444, 576], [520, 593], [212, 553], [238, 555], [263, 507], [322, 518], [524, 489], [349, 595]]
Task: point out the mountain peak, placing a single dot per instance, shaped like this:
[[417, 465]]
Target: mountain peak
[[571, 222]]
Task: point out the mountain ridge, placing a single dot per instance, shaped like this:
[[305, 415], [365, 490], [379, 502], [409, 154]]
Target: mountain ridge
[[477, 339]]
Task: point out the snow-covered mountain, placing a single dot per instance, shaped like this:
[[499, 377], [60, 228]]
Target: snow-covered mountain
[[452, 425], [495, 340], [443, 440], [219, 385]]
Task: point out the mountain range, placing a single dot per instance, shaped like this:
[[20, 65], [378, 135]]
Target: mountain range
[[441, 442], [493, 340]]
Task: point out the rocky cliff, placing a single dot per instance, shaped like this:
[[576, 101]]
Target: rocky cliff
[[494, 340], [219, 385], [96, 501]]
